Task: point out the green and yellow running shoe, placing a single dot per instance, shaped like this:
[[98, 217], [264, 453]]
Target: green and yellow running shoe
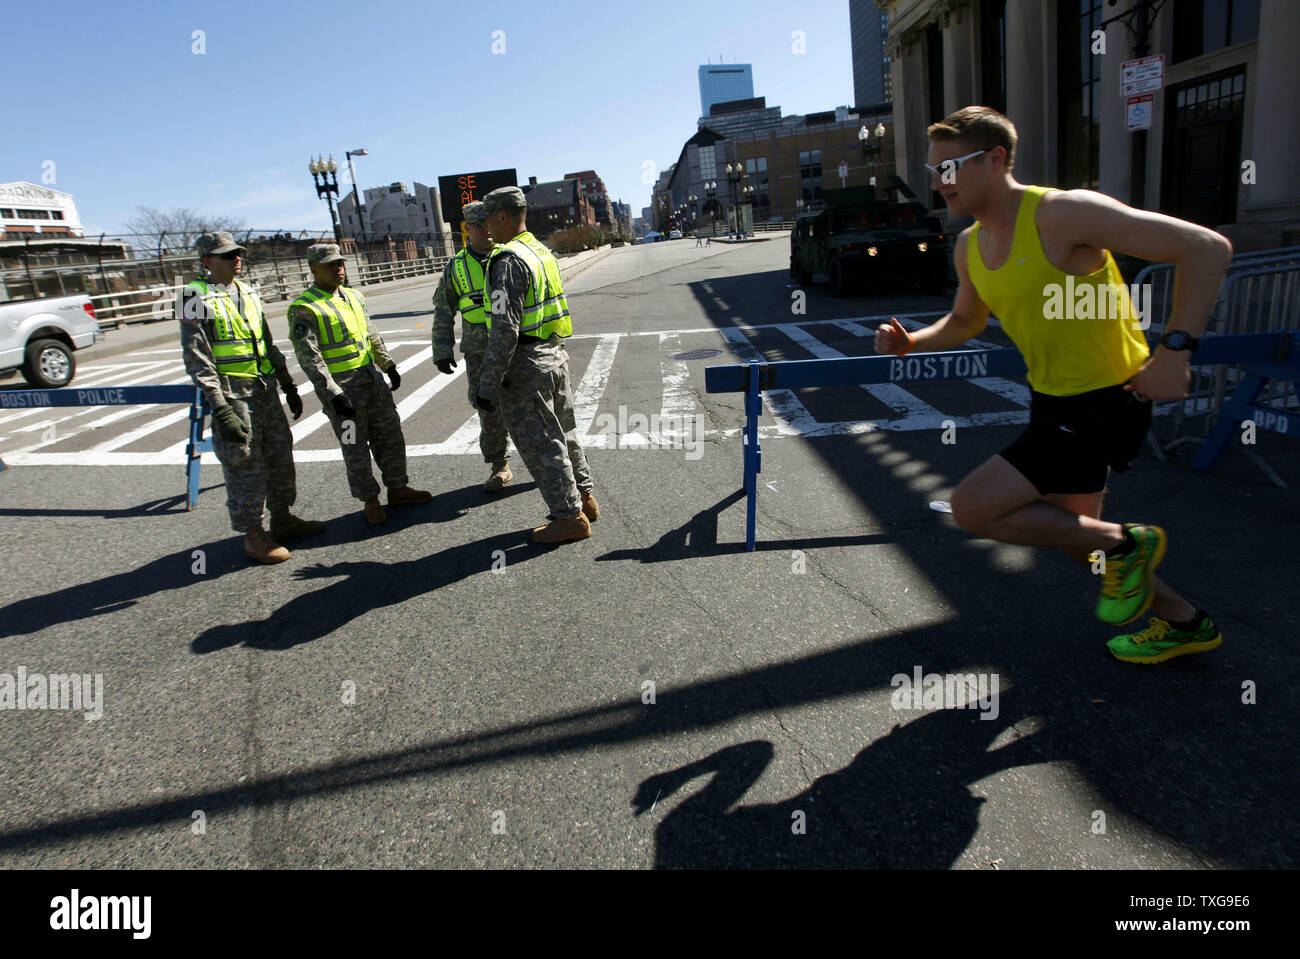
[[1126, 585], [1161, 641]]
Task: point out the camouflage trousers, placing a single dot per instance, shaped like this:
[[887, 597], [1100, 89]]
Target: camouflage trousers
[[259, 472], [492, 435], [538, 410], [377, 432]]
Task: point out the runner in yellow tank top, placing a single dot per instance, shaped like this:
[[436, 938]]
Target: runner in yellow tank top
[[1040, 260]]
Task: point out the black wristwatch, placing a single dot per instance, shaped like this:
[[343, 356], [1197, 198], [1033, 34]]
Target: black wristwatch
[[1179, 340]]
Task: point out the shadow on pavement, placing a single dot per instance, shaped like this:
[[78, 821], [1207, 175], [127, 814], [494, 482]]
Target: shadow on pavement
[[157, 507], [122, 590], [365, 586]]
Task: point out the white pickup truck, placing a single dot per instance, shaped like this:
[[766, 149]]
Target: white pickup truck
[[39, 336]]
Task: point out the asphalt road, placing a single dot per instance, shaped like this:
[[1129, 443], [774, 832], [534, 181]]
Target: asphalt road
[[385, 699]]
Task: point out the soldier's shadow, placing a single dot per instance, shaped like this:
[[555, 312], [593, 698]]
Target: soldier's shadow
[[122, 590], [903, 803], [364, 587]]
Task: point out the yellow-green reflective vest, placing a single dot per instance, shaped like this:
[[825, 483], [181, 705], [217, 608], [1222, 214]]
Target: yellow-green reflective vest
[[340, 326], [546, 311], [235, 336], [469, 279]]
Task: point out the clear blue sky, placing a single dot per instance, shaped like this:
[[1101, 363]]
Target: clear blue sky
[[114, 95]]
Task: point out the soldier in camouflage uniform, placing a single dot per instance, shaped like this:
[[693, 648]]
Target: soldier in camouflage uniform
[[342, 356], [230, 354], [461, 289], [526, 368]]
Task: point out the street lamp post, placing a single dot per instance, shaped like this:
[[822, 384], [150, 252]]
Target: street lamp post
[[735, 174], [356, 198], [711, 191], [325, 175], [871, 147]]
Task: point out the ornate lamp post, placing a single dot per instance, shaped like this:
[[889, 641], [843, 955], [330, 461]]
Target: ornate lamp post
[[871, 147], [324, 173], [735, 174]]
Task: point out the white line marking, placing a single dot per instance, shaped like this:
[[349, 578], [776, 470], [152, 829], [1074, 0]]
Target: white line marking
[[595, 380]]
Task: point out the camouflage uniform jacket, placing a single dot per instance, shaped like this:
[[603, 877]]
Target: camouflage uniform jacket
[[306, 344], [507, 350], [446, 301], [197, 333]]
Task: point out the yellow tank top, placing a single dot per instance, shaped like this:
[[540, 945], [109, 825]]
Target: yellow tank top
[[1076, 333]]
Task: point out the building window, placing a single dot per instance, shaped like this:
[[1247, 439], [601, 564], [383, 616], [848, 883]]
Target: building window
[[56, 214], [1202, 148], [32, 215], [708, 163], [1079, 134], [1201, 26], [7, 214], [810, 175], [993, 53]]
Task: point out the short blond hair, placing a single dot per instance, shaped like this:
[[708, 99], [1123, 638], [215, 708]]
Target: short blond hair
[[979, 128]]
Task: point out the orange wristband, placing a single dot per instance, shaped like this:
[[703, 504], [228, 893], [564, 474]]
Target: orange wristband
[[911, 342]]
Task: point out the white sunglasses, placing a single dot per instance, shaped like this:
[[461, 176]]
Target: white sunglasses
[[955, 161]]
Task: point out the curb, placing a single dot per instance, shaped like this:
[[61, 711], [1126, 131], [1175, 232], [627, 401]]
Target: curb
[[597, 256]]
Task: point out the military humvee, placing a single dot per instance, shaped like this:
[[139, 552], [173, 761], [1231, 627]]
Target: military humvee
[[861, 237]]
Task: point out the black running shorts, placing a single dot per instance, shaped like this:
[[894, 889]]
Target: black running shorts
[[1073, 441]]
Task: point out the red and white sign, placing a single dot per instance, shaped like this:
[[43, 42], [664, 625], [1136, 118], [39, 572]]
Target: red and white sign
[[1141, 76], [844, 172], [1138, 111]]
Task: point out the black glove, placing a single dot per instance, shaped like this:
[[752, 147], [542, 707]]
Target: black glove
[[294, 400], [485, 404], [343, 407], [446, 366], [227, 422], [394, 379]]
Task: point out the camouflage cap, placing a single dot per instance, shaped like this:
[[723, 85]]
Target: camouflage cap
[[505, 198], [474, 212], [214, 244], [324, 253]]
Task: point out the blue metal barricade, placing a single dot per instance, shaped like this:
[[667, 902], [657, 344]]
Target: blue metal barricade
[[1266, 355], [130, 396]]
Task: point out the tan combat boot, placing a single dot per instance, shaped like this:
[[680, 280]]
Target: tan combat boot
[[562, 530], [405, 496], [374, 512], [259, 546], [287, 526], [501, 475], [590, 508]]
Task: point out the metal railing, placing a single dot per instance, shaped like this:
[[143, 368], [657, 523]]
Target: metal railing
[[1253, 300], [135, 278], [157, 302], [1160, 277]]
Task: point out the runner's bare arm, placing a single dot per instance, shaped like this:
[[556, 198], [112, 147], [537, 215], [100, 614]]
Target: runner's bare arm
[[1073, 218], [969, 313]]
